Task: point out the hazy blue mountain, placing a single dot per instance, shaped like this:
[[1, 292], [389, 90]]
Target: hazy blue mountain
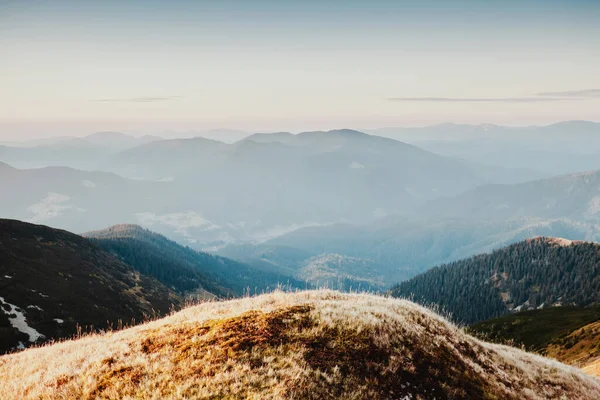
[[560, 148], [323, 270], [573, 196], [405, 248], [209, 194], [476, 221], [75, 152], [223, 135], [330, 176], [119, 141], [90, 152], [76, 200]]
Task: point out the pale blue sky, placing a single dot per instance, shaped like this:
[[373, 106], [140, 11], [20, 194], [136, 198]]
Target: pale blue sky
[[70, 67]]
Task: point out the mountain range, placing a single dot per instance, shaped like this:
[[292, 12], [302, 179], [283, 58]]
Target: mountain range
[[211, 193], [280, 201], [340, 209], [560, 148], [445, 230]]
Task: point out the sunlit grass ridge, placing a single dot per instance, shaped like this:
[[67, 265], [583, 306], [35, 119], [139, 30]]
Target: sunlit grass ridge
[[312, 344]]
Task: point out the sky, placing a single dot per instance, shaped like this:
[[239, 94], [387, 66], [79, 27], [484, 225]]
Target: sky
[[75, 67]]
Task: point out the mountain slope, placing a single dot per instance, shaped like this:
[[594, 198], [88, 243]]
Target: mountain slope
[[561, 148], [404, 247], [52, 282], [72, 152], [333, 271], [574, 196], [309, 345], [330, 176], [531, 274], [568, 334], [183, 268], [76, 200]]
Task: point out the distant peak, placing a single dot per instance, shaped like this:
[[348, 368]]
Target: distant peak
[[575, 123], [120, 230], [107, 134], [348, 132]]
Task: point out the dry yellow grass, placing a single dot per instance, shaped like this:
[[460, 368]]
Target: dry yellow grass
[[580, 347], [307, 345], [592, 368]]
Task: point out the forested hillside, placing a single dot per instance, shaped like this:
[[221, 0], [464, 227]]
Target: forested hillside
[[535, 273], [182, 268], [54, 283]]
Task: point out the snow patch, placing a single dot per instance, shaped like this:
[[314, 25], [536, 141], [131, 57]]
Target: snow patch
[[19, 322], [521, 307], [8, 276], [58, 320], [356, 165], [35, 307]]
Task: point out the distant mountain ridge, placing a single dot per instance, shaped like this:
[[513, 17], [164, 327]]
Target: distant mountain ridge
[[53, 282], [208, 194], [574, 196], [560, 148], [536, 273], [89, 152], [73, 199], [190, 189]]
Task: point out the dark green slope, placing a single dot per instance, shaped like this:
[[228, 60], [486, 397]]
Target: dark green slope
[[53, 281], [182, 268], [536, 329], [535, 273]]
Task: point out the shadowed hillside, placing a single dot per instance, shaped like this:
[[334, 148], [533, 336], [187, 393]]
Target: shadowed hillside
[[308, 345], [53, 281], [568, 334], [182, 268]]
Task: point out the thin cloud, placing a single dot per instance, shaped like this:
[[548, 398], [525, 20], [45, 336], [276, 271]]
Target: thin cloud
[[145, 99], [573, 93], [479, 99]]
